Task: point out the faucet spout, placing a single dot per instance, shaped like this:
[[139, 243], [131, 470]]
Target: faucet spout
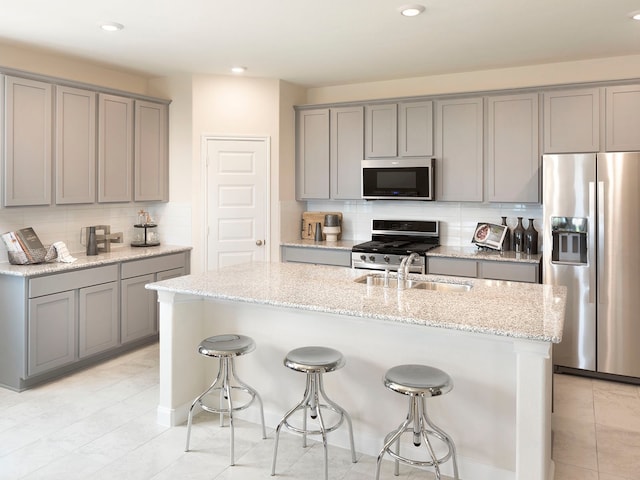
[[403, 270]]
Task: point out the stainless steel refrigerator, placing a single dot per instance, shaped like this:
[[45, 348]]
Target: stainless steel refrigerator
[[592, 245]]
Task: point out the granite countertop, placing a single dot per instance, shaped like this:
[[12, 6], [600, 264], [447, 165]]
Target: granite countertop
[[117, 254], [468, 253], [339, 245], [474, 253], [511, 309]]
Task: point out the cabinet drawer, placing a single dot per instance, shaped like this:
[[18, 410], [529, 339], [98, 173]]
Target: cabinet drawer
[[455, 267], [510, 271], [322, 256], [62, 282], [152, 265]]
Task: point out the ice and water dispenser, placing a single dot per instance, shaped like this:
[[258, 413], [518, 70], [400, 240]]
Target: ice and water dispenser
[[569, 235]]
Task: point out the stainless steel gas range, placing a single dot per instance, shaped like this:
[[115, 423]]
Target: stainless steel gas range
[[392, 240]]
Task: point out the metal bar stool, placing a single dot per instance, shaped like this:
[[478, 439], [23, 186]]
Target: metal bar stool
[[314, 361], [225, 348], [418, 382]]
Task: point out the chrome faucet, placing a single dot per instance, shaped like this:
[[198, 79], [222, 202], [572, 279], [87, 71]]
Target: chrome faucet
[[403, 271]]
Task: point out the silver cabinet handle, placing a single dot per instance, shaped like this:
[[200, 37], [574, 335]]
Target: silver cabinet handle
[[258, 242]]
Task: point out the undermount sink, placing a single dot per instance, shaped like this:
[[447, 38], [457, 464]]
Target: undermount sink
[[378, 280]]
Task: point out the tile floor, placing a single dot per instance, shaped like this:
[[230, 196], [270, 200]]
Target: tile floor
[[100, 424]]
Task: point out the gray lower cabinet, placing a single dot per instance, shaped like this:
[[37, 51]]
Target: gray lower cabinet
[[139, 316], [97, 319], [51, 332], [57, 323], [321, 256], [487, 269]]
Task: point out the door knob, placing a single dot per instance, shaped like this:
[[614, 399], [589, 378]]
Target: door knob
[[258, 242]]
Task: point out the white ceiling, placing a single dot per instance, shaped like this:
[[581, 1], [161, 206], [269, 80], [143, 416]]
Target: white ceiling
[[324, 42]]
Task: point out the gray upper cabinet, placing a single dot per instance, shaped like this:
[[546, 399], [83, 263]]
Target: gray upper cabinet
[[28, 147], [346, 152], [312, 154], [459, 150], [115, 148], [513, 153], [415, 129], [381, 130], [623, 118], [75, 147], [150, 158], [572, 121]]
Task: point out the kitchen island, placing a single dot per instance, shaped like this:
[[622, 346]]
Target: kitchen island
[[494, 340]]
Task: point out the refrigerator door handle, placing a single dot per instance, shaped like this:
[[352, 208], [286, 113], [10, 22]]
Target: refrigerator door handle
[[602, 298], [591, 240]]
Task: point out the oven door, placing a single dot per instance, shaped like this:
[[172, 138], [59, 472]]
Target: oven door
[[398, 179]]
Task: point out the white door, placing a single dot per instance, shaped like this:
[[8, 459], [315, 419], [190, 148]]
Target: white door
[[237, 200]]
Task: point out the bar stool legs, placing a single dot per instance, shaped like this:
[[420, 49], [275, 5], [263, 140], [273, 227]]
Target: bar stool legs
[[318, 361], [226, 381], [417, 382]]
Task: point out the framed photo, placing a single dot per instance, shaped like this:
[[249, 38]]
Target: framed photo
[[489, 235]]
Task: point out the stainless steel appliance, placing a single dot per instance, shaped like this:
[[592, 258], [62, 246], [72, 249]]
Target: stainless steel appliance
[[592, 245], [398, 179], [392, 240]]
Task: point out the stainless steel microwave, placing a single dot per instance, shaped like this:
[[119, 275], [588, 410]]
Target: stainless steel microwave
[[398, 179]]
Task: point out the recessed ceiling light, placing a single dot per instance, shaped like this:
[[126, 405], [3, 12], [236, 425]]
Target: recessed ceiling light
[[635, 15], [238, 69], [111, 27], [411, 10]]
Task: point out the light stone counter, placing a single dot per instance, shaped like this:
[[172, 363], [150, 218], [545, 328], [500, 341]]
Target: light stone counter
[[494, 340], [116, 255], [474, 253], [512, 309]]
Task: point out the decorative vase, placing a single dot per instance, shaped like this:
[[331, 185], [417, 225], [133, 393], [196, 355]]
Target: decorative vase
[[531, 239], [506, 243], [92, 244], [518, 237]]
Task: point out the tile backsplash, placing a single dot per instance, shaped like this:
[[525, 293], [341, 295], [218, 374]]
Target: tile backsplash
[[64, 223], [458, 220]]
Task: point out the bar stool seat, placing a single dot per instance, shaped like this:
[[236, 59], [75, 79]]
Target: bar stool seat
[[418, 382], [226, 348], [314, 361]]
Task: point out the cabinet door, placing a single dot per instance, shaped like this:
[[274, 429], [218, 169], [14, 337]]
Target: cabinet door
[[623, 118], [28, 124], [459, 145], [415, 126], [312, 154], [75, 159], [150, 158], [138, 309], [513, 163], [381, 131], [115, 148], [51, 332], [347, 152], [98, 319], [572, 121]]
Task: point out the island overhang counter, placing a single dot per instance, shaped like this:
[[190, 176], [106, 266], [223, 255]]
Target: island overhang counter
[[494, 340]]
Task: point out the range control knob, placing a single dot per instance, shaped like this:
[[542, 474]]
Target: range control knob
[[363, 257], [386, 258], [372, 258]]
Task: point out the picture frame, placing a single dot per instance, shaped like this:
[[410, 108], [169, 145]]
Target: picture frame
[[489, 235]]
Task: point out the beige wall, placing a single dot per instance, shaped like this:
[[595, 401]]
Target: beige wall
[[47, 63], [605, 69]]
